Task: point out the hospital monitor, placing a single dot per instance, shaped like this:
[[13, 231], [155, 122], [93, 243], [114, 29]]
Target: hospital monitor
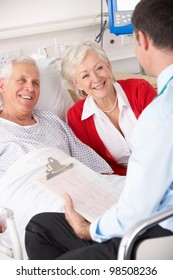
[[120, 12]]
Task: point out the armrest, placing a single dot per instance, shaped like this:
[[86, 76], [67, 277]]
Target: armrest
[[131, 236]]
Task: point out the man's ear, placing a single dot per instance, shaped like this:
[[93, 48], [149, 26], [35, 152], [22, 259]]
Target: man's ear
[[143, 40]]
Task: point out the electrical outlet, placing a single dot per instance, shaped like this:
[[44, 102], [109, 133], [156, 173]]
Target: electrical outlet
[[126, 39], [5, 56]]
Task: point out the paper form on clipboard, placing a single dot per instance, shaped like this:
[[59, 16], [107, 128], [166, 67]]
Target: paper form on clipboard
[[91, 192]]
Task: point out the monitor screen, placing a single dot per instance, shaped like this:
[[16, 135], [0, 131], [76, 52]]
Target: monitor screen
[[120, 12], [126, 5]]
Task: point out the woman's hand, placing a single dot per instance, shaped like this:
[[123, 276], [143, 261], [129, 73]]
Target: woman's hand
[[75, 220]]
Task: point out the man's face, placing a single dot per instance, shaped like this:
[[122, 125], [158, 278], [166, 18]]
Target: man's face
[[22, 89]]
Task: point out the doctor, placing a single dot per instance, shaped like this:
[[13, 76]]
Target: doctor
[[149, 182]]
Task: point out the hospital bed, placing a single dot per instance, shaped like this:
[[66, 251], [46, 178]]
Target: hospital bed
[[15, 251], [55, 98]]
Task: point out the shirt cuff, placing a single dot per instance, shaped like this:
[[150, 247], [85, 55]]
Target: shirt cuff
[[95, 234]]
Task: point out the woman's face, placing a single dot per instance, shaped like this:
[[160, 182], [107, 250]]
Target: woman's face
[[21, 90], [94, 76]]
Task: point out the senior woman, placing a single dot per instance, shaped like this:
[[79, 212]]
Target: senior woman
[[105, 117], [23, 127]]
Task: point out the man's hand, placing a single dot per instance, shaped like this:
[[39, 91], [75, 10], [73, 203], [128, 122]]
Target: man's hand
[[75, 220]]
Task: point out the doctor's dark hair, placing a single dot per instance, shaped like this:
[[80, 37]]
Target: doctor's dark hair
[[155, 18], [74, 55]]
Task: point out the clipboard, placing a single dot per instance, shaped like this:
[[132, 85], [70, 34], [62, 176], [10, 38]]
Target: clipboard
[[54, 167], [91, 192]]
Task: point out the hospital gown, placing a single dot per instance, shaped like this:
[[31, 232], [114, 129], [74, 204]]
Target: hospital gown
[[49, 131]]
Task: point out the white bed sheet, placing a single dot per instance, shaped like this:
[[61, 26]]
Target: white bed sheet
[[25, 198], [18, 193]]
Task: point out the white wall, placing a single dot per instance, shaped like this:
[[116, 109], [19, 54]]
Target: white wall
[[20, 12], [37, 24]]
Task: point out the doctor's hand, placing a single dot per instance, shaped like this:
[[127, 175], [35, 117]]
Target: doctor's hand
[[75, 220]]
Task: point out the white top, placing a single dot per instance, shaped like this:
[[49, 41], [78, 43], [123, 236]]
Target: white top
[[49, 131], [119, 147], [149, 181]]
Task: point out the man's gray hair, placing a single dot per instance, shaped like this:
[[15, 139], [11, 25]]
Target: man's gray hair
[[7, 69]]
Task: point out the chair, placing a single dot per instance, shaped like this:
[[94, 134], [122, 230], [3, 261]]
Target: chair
[[15, 251], [160, 248]]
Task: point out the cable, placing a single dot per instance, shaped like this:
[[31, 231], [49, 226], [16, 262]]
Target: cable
[[103, 26]]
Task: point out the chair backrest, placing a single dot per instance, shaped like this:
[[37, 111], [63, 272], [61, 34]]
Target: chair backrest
[[160, 248]]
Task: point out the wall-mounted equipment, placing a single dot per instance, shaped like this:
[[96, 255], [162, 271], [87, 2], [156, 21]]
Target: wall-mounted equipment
[[120, 12]]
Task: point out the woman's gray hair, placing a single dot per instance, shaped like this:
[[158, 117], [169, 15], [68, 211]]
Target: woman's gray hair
[[74, 55], [7, 69]]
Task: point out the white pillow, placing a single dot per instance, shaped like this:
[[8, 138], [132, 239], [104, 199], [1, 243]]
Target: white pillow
[[53, 95]]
